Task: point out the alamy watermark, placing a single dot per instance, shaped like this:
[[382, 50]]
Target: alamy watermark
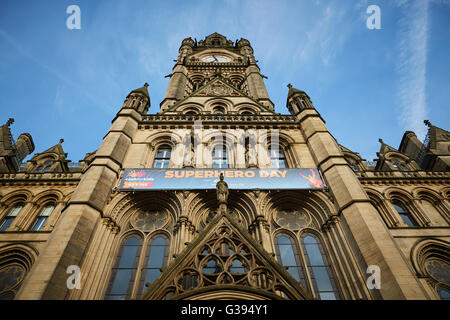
[[374, 20], [74, 20], [374, 280], [74, 280]]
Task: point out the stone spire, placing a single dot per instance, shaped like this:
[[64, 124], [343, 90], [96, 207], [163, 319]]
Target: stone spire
[[297, 100], [143, 90]]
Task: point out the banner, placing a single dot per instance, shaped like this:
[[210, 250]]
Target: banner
[[237, 179]]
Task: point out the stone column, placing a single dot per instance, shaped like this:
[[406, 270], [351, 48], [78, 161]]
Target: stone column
[[176, 87], [366, 230], [67, 244], [256, 87]]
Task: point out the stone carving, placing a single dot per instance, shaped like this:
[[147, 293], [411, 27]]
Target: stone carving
[[222, 194]]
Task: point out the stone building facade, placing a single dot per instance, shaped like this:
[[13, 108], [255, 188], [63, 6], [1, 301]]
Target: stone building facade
[[389, 218]]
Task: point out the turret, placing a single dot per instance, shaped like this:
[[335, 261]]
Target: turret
[[297, 100], [185, 49], [138, 99], [178, 78], [24, 146], [12, 153], [255, 83]]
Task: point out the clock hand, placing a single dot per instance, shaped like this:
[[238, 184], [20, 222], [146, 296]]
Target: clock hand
[[215, 59]]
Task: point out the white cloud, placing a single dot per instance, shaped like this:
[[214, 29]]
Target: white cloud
[[411, 64], [328, 35]]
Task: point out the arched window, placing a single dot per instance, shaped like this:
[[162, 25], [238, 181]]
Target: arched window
[[38, 169], [404, 214], [162, 159], [439, 271], [219, 157], [155, 259], [42, 217], [124, 271], [321, 274], [11, 277], [46, 165], [398, 165], [9, 218], [277, 158], [287, 255], [219, 110], [247, 112]]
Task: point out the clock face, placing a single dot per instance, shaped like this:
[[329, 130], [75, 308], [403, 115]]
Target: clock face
[[215, 58]]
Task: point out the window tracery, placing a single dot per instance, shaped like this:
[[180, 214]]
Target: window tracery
[[224, 260], [302, 252], [292, 219], [11, 276], [144, 238]]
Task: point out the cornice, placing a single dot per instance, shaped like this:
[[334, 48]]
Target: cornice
[[40, 179], [166, 119], [402, 178]]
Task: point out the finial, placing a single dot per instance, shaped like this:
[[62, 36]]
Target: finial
[[61, 141], [146, 84], [428, 123], [289, 85], [380, 140], [10, 121]]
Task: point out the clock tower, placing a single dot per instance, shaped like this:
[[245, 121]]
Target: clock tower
[[200, 63]]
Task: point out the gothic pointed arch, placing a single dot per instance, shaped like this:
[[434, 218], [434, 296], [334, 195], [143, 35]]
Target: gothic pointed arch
[[431, 261], [224, 258], [16, 261]]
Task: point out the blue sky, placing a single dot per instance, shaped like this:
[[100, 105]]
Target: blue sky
[[367, 84]]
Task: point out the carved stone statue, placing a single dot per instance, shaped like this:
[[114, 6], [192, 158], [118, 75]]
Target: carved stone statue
[[251, 157], [222, 194]]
